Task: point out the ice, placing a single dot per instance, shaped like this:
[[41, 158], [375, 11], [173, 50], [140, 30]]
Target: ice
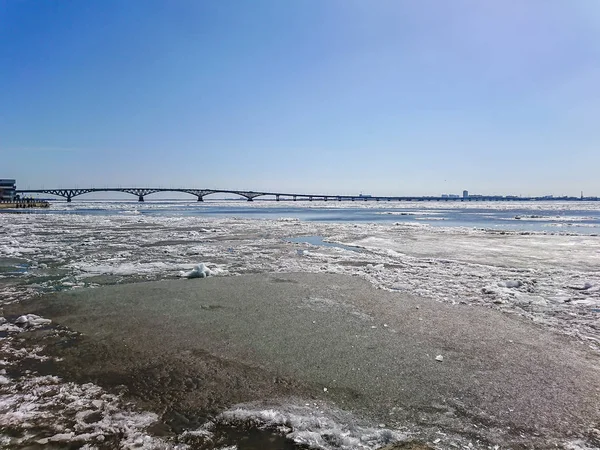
[[550, 278], [199, 271], [510, 284], [31, 320], [52, 406], [321, 428], [585, 287]]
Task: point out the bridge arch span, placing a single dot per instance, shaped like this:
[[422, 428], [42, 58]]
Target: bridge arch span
[[141, 193]]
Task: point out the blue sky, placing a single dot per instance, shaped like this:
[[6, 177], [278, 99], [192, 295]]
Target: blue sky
[[320, 96]]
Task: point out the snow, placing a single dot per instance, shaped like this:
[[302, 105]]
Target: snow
[[199, 271], [550, 278], [31, 320], [316, 428], [48, 403]]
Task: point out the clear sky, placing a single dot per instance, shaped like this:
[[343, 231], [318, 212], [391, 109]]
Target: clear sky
[[396, 97]]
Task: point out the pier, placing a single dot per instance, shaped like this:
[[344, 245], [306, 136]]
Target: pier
[[23, 203]]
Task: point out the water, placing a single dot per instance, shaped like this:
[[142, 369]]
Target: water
[[571, 217], [318, 241]]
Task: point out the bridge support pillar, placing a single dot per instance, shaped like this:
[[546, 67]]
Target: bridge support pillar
[[310, 199], [141, 198], [68, 199], [277, 197], [250, 199], [200, 198], [294, 198]]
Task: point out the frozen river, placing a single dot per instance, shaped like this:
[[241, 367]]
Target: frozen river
[[551, 216], [538, 262]]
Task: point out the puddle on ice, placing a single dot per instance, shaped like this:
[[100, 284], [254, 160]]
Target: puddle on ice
[[13, 266], [319, 242]]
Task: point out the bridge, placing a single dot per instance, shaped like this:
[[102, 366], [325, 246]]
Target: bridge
[[141, 193]]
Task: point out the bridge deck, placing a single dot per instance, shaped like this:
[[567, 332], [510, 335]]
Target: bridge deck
[[142, 192]]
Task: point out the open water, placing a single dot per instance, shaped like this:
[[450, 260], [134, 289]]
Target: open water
[[551, 216]]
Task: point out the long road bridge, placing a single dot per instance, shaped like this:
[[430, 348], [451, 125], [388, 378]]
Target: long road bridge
[[141, 193]]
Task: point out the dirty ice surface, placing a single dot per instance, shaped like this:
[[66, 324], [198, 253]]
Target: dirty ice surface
[[549, 277]]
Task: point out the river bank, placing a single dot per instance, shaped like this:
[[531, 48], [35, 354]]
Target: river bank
[[190, 350]]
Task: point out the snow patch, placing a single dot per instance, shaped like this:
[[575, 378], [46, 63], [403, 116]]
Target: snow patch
[[46, 410], [31, 321], [199, 271], [313, 428]]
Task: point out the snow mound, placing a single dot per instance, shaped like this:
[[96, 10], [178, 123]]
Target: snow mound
[[31, 320], [199, 271]]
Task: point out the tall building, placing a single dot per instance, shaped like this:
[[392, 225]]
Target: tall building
[[465, 194], [8, 190]]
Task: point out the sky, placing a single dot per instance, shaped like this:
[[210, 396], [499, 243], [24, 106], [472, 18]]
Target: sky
[[384, 97]]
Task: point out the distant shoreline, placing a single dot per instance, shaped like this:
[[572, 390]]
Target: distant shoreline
[[25, 204]]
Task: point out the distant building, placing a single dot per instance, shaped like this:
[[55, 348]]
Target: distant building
[[465, 194], [454, 196], [8, 190], [444, 195]]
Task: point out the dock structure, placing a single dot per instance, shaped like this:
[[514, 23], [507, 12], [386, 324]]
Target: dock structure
[[24, 203]]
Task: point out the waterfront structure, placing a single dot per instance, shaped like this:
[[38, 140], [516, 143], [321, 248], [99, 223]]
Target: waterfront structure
[[465, 194], [142, 192], [8, 190], [24, 203]]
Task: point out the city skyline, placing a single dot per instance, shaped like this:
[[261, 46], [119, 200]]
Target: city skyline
[[334, 97], [163, 193]]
